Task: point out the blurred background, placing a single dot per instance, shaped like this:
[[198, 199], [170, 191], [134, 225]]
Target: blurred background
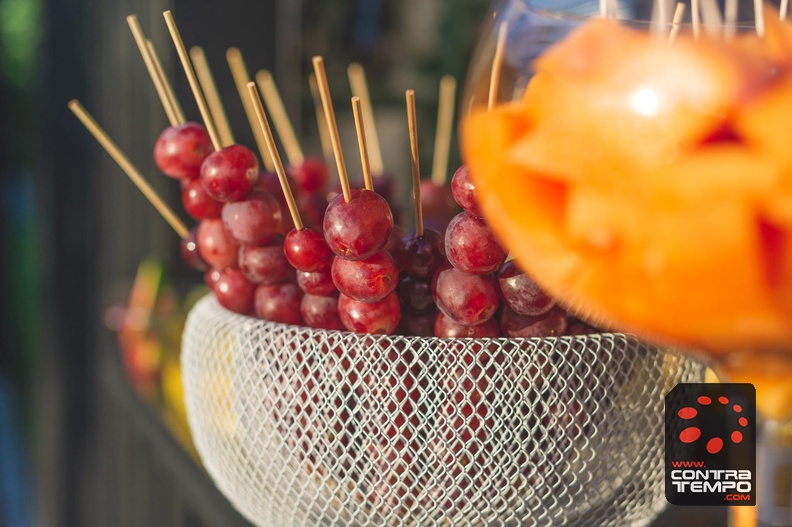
[[91, 435]]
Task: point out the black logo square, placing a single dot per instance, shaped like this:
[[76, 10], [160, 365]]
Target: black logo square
[[710, 444]]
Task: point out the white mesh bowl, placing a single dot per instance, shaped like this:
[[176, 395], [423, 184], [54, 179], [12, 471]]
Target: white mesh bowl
[[309, 427]]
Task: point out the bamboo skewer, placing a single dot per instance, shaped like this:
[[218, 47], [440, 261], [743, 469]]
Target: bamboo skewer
[[659, 18], [140, 40], [357, 81], [266, 132], [193, 80], [324, 137], [713, 21], [445, 123], [759, 18], [209, 88], [416, 167], [783, 9], [174, 102], [603, 8], [361, 137], [134, 174], [497, 64], [277, 111], [241, 77], [730, 15], [679, 13], [332, 127], [695, 13]]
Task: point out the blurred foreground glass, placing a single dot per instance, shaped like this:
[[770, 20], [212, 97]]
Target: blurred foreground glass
[[634, 157]]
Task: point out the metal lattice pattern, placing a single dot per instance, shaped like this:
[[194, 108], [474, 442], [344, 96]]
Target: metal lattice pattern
[[307, 427]]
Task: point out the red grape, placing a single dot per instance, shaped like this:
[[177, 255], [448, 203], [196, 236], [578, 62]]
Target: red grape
[[279, 303], [550, 324], [198, 203], [180, 151], [253, 220], [418, 325], [321, 312], [521, 293], [217, 247], [378, 318], [190, 253], [319, 283], [229, 174], [470, 299], [471, 246], [464, 191], [421, 256], [312, 208], [265, 264], [368, 280], [307, 250], [360, 228], [448, 328], [269, 181], [310, 175], [394, 244], [415, 295], [211, 277], [575, 326], [234, 292], [438, 205]]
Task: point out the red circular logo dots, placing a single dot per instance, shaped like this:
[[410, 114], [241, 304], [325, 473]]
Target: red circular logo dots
[[736, 436], [704, 400], [688, 435], [687, 413], [714, 445], [737, 408], [723, 400], [743, 421]]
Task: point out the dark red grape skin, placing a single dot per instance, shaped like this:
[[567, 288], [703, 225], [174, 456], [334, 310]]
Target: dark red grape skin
[[418, 325], [319, 283], [218, 248], [310, 175], [464, 191], [312, 209], [253, 220], [575, 326], [438, 205], [279, 303], [265, 264], [321, 312], [394, 244], [307, 250], [269, 181], [415, 295], [469, 299], [198, 203], [180, 151], [234, 292], [521, 293], [470, 245], [229, 174], [550, 324], [445, 327], [360, 228], [421, 256], [378, 318], [211, 277], [189, 251], [368, 280]]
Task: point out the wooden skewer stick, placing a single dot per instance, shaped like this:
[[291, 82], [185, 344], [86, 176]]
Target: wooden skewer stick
[[730, 15], [258, 109], [277, 110], [445, 122], [140, 40], [209, 88], [134, 174], [361, 136], [759, 18], [332, 127], [613, 9], [174, 102], [357, 81], [497, 64], [603, 8], [660, 18], [783, 9], [241, 77], [416, 167], [713, 21], [324, 137], [695, 13], [193, 80], [679, 13]]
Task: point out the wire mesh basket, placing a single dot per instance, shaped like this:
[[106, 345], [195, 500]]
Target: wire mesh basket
[[299, 426]]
